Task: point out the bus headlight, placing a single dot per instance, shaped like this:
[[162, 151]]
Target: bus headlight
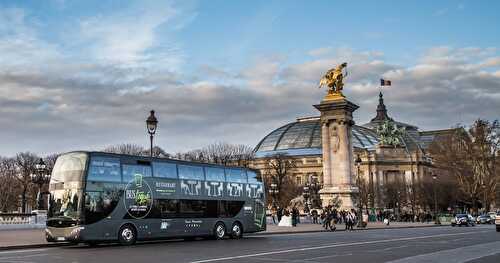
[[76, 232]]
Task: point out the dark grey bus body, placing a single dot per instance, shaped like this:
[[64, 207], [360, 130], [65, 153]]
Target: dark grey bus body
[[93, 195]]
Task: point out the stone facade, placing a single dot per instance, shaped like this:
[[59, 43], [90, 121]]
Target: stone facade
[[408, 164]]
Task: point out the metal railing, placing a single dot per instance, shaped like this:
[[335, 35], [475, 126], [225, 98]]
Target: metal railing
[[18, 218]]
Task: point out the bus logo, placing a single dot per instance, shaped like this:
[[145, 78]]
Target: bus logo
[[138, 197]]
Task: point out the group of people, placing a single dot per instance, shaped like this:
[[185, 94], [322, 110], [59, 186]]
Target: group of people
[[286, 217], [330, 217]]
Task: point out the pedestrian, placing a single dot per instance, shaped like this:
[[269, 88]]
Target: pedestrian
[[295, 214], [274, 215], [314, 214], [279, 213]]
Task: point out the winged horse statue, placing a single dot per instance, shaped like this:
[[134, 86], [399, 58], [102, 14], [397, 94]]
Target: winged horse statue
[[334, 79]]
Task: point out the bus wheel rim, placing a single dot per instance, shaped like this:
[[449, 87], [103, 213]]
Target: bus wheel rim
[[127, 234], [220, 231], [236, 230]]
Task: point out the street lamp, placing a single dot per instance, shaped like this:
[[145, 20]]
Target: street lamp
[[360, 212], [274, 191], [436, 219], [151, 124], [306, 194], [40, 177], [483, 185]]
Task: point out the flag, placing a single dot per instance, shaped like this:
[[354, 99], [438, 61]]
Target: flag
[[384, 82]]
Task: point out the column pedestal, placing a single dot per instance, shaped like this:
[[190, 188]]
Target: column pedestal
[[339, 188]]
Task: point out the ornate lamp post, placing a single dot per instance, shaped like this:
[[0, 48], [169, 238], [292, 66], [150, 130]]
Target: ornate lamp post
[[151, 124], [360, 205], [306, 194], [483, 186], [40, 177], [436, 219], [274, 191]]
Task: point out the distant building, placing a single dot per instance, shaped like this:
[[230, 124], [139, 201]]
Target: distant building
[[380, 166]]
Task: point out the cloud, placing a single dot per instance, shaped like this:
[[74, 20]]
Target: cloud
[[51, 102]]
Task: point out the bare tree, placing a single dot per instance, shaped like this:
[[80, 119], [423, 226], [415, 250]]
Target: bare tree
[[278, 169], [9, 186], [471, 156], [134, 149], [126, 148], [220, 153], [25, 167]]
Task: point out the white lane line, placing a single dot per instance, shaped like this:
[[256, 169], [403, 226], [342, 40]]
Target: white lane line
[[331, 246], [456, 255], [23, 251]]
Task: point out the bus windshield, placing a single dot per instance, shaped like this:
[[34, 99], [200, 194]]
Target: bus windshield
[[66, 185]]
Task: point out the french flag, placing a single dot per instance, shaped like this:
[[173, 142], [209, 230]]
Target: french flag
[[384, 82]]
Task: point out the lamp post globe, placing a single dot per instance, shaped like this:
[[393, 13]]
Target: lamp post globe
[[151, 125]]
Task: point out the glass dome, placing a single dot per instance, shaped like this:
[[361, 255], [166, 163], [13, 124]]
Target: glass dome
[[303, 137]]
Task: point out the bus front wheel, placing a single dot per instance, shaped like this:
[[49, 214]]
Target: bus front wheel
[[127, 235], [236, 231], [219, 231]]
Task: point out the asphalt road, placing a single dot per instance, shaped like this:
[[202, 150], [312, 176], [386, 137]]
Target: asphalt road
[[434, 244]]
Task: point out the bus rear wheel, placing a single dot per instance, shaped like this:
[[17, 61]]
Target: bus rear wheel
[[236, 231], [219, 231], [127, 235]]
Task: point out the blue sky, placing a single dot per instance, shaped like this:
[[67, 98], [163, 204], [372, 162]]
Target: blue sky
[[237, 69]]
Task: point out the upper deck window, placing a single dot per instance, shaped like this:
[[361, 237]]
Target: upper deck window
[[191, 172], [130, 172], [215, 174], [104, 169], [165, 170], [236, 175]]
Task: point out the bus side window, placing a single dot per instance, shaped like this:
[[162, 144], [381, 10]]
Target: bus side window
[[104, 169], [131, 171], [165, 170], [191, 172]]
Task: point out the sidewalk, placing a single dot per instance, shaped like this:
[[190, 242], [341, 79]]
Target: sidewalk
[[34, 238], [304, 228]]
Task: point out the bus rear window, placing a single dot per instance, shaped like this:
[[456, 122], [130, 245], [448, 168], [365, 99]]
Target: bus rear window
[[236, 175], [252, 177]]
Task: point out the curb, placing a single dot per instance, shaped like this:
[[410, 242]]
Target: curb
[[48, 245], [338, 230]]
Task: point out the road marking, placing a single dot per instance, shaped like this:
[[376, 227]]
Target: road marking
[[331, 246], [456, 255], [22, 251]]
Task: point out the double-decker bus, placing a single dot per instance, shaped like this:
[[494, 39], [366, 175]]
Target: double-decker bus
[[97, 197]]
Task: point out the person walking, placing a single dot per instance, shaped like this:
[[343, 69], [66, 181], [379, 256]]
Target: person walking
[[274, 215]]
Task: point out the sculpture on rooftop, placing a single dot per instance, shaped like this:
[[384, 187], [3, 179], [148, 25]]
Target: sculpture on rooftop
[[334, 79], [390, 135]]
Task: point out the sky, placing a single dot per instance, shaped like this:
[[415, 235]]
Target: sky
[[83, 75]]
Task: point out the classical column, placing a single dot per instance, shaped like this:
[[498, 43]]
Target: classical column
[[336, 121]]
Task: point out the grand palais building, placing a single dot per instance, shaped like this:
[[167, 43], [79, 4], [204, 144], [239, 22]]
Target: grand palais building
[[300, 141]]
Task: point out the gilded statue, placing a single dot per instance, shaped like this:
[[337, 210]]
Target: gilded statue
[[334, 79]]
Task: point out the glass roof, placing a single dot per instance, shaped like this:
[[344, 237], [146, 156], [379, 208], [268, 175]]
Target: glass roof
[[304, 137]]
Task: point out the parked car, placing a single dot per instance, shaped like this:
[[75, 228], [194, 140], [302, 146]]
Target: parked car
[[493, 216], [484, 219], [497, 221], [462, 220]]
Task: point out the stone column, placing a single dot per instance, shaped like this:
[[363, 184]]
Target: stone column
[[336, 125]]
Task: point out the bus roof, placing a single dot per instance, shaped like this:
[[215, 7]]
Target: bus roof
[[148, 158]]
